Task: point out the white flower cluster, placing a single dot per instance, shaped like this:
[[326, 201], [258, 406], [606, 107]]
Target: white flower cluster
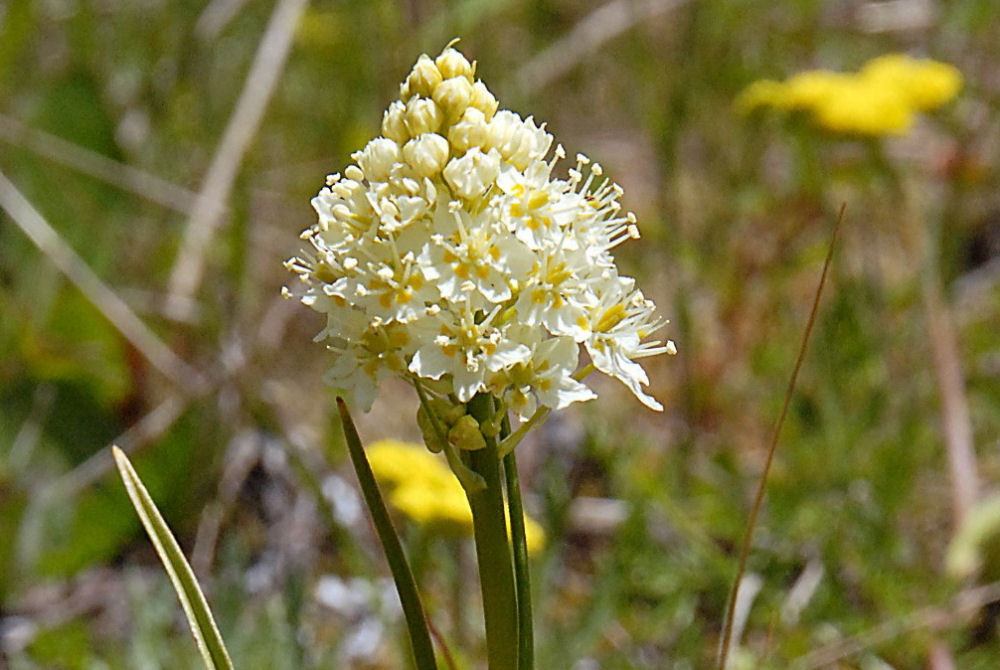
[[449, 253]]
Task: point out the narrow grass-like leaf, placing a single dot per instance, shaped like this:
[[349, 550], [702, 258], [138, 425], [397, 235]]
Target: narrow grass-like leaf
[[199, 616], [413, 609]]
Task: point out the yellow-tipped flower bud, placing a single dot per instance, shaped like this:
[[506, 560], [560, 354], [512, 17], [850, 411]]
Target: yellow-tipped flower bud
[[483, 100], [470, 131], [423, 78], [394, 123], [451, 63], [452, 96], [423, 116], [426, 154]]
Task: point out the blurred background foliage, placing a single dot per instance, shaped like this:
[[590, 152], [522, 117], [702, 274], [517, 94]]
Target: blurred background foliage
[[111, 119]]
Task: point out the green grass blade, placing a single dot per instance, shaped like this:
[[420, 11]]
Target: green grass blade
[[199, 616], [413, 609]]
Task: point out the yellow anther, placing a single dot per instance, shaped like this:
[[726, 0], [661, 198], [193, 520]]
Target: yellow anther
[[611, 318], [537, 199]]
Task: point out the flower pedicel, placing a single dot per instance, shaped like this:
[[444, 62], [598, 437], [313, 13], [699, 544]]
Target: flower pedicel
[[449, 256]]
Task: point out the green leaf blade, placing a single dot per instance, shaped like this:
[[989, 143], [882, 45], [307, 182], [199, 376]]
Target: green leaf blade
[[406, 586], [196, 610]]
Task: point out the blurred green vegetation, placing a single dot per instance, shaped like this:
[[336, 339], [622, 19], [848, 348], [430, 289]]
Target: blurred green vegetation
[[735, 214]]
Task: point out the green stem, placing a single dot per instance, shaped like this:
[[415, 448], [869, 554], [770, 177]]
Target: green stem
[[493, 554], [522, 579], [413, 609]]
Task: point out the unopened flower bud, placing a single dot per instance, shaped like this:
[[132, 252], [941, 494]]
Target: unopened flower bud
[[423, 78], [483, 100], [426, 154], [470, 131], [394, 123], [491, 427], [451, 63], [377, 158], [465, 434], [452, 96], [423, 116], [449, 413], [426, 426]]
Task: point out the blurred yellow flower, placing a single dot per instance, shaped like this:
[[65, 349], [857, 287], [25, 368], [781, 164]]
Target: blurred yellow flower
[[424, 490], [926, 84], [397, 463], [880, 99], [813, 89], [864, 108]]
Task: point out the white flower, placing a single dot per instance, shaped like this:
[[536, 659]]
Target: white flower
[[544, 378], [469, 262], [450, 254], [473, 173], [554, 296], [365, 357], [467, 351], [618, 326], [539, 211], [519, 142], [377, 158]]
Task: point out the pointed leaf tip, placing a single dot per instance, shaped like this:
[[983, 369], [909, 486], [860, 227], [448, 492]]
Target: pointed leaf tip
[[182, 578]]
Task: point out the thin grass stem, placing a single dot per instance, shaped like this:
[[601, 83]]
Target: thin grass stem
[[727, 631]]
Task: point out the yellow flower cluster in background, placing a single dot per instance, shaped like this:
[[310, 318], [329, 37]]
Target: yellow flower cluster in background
[[426, 491], [880, 99]]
